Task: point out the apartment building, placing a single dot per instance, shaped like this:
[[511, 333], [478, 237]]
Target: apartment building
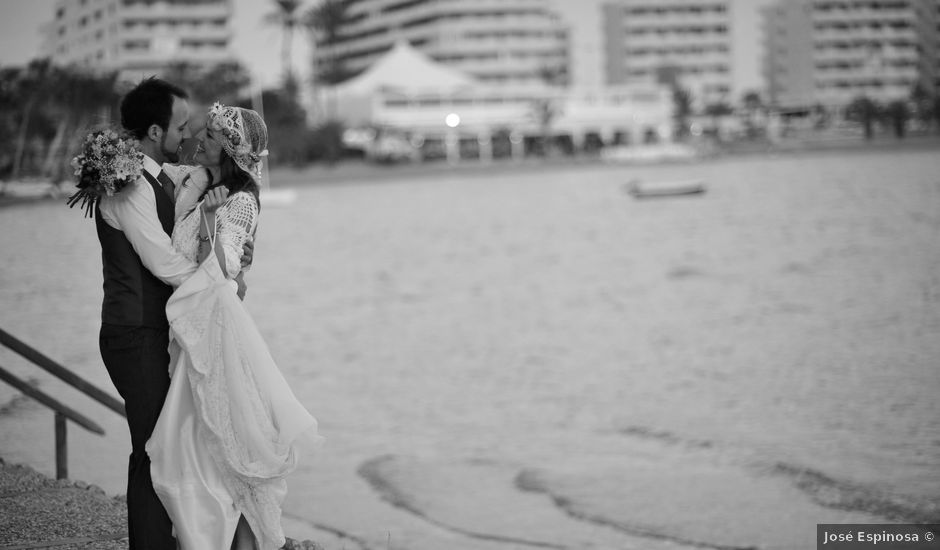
[[830, 51], [497, 42], [584, 26], [691, 39], [788, 53], [137, 37]]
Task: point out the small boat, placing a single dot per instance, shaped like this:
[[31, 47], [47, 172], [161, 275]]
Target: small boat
[[648, 190]]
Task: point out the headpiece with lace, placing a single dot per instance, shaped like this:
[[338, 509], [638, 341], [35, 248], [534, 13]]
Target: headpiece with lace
[[243, 135]]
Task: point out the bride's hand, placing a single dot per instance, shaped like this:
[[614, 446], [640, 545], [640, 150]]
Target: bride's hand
[[214, 199]]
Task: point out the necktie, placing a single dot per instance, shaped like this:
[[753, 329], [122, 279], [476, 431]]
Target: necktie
[[167, 184]]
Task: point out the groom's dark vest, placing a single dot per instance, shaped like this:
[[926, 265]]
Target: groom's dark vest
[[133, 296]]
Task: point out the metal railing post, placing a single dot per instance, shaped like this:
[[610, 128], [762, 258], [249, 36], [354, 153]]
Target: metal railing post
[[61, 447], [63, 413]]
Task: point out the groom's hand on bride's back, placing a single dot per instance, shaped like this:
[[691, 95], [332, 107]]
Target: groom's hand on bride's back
[[242, 287], [248, 252]]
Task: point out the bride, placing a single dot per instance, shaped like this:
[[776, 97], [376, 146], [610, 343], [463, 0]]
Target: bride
[[225, 439]]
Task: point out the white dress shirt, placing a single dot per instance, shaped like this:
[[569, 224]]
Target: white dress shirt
[[133, 211]]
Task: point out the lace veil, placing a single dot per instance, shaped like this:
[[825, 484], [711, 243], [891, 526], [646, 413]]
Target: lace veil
[[243, 135]]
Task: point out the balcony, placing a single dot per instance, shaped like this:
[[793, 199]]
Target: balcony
[[679, 20], [158, 57], [163, 10], [142, 32], [488, 13]]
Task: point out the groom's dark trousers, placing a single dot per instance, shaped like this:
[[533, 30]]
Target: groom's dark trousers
[[134, 339], [137, 361]]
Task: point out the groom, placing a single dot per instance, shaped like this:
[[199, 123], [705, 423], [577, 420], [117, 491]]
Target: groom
[[141, 267]]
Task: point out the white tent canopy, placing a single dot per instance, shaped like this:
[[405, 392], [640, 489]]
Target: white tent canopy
[[406, 70]]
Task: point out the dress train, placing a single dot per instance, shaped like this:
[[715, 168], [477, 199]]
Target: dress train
[[225, 439]]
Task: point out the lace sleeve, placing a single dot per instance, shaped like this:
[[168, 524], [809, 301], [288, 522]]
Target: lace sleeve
[[236, 222], [188, 190]]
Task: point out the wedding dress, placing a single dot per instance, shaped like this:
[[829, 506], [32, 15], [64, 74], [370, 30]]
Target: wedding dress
[[225, 439]]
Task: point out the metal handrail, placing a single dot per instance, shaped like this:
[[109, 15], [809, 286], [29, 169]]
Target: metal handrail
[[74, 380], [62, 412]]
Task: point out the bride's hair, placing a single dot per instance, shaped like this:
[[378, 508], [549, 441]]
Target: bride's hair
[[234, 178]]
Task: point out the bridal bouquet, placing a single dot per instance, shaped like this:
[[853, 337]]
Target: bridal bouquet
[[108, 162]]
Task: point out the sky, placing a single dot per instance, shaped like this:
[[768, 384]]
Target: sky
[[258, 46]]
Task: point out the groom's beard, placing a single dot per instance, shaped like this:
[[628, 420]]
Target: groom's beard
[[172, 157]]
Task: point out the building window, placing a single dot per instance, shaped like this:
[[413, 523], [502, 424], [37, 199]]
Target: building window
[[59, 13], [137, 45]]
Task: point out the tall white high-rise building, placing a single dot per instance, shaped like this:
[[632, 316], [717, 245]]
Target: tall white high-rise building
[[498, 42], [584, 28], [595, 43], [829, 52], [138, 37], [788, 53], [691, 39]]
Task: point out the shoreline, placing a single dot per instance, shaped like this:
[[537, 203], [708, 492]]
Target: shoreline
[[345, 172], [33, 190]]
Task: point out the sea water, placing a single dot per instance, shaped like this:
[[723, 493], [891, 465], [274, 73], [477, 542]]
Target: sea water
[[534, 358]]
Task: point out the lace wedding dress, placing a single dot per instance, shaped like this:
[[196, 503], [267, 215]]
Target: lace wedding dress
[[225, 439]]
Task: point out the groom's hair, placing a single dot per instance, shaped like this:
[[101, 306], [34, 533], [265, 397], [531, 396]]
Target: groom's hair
[[149, 103]]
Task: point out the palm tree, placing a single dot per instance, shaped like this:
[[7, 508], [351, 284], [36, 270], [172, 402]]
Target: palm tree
[[50, 104], [78, 100], [11, 107], [288, 18], [544, 109], [32, 89], [922, 100], [898, 113], [669, 75], [753, 104], [544, 112], [865, 111], [224, 82], [324, 22]]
